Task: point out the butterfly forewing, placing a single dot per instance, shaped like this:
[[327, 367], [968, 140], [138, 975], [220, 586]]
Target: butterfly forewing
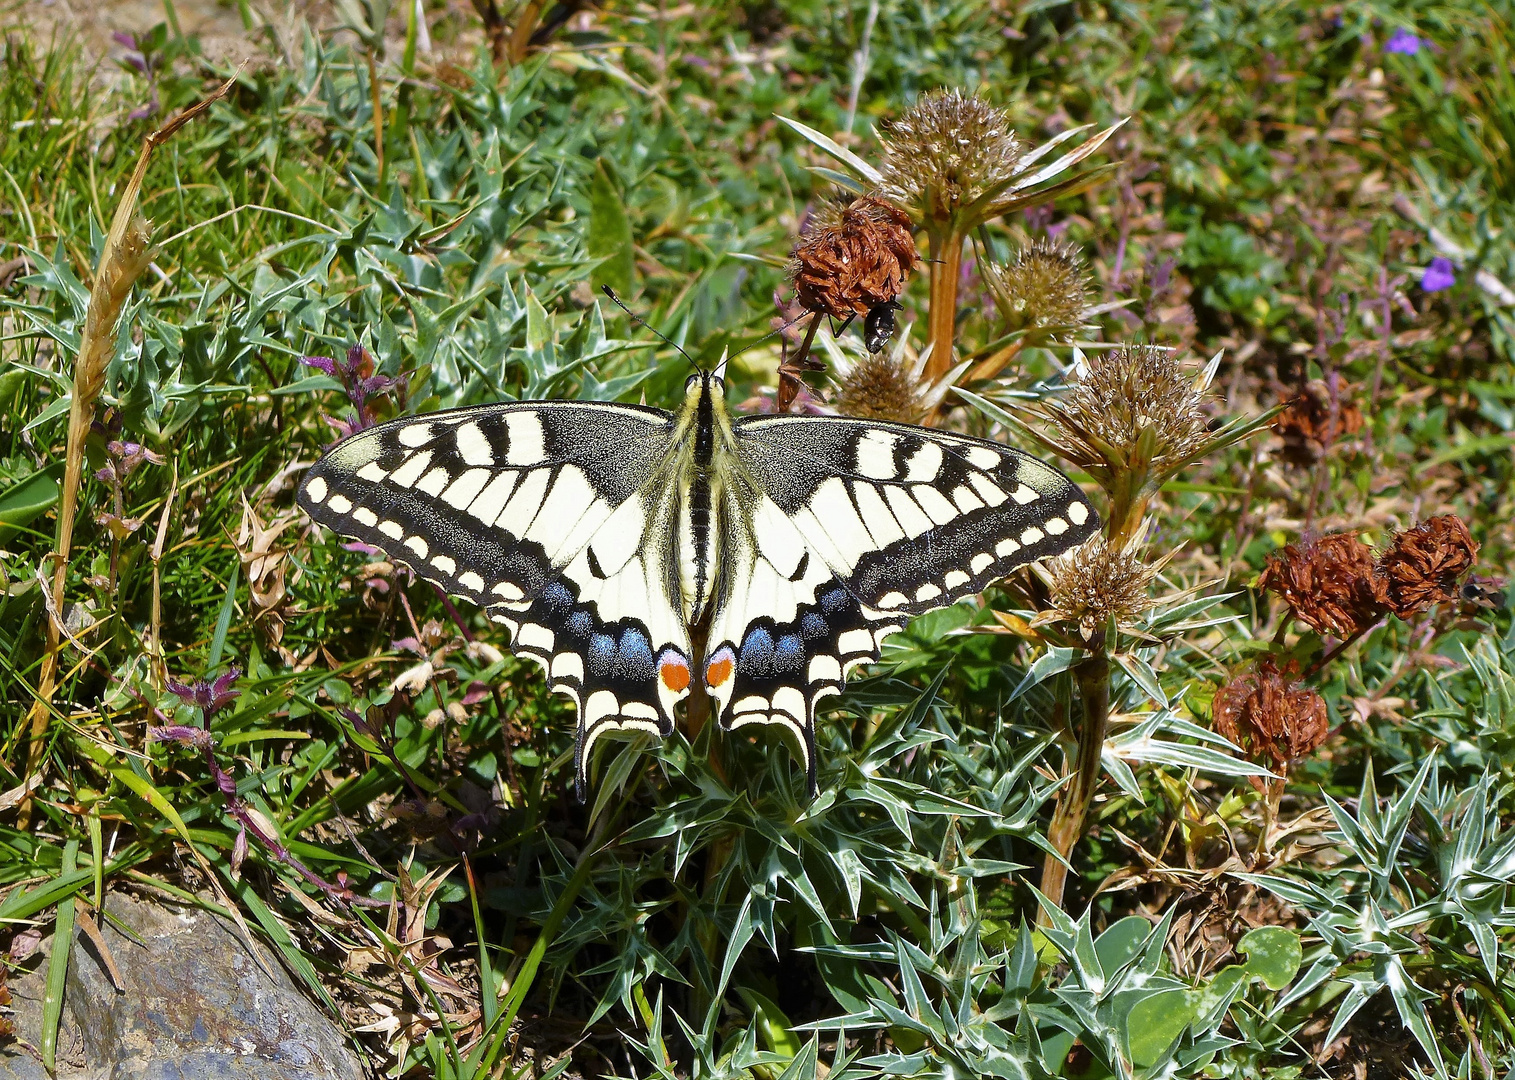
[[852, 526], [540, 512]]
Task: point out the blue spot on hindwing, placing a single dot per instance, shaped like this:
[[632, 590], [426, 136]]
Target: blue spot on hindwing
[[834, 600], [789, 653], [634, 655], [579, 623], [813, 626], [556, 596], [757, 652], [601, 654]]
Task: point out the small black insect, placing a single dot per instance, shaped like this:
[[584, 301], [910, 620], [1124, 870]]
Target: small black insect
[[878, 328]]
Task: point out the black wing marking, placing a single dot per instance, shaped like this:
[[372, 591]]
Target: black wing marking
[[537, 512]]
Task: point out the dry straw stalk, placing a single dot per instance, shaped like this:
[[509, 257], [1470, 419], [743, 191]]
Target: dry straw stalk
[[126, 254]]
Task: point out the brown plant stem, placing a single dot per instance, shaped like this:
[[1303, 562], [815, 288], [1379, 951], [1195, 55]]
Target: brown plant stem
[[1345, 644], [946, 257], [378, 115], [494, 28], [526, 25], [995, 362], [1092, 676], [123, 258]]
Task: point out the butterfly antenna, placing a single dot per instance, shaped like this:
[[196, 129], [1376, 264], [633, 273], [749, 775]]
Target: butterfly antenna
[[616, 300], [770, 334]]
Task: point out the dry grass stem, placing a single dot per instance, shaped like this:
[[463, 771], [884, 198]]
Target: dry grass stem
[[126, 255]]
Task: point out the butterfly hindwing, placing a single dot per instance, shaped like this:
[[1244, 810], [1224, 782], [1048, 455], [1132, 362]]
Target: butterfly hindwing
[[539, 513], [849, 528]]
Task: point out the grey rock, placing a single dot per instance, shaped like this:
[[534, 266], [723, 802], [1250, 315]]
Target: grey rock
[[195, 1005], [28, 986]]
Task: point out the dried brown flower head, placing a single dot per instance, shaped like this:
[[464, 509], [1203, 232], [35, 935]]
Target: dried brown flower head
[[1046, 286], [1095, 583], [1423, 565], [856, 262], [1266, 715], [1330, 583], [945, 151], [880, 386], [1313, 421], [1134, 402]]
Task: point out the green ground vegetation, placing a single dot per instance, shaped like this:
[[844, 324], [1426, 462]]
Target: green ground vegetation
[[384, 794]]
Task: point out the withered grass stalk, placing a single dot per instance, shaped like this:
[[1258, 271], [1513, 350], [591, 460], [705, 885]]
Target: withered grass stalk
[[126, 254]]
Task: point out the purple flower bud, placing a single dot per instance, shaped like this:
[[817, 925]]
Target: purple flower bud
[[106, 475], [1438, 275], [359, 361], [321, 363], [149, 108], [1402, 42], [125, 40], [361, 548], [182, 734], [224, 780]]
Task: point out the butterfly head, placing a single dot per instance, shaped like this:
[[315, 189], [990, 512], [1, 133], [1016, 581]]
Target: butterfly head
[[714, 379]]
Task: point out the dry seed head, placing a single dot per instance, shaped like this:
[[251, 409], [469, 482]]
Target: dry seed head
[[1135, 396], [1266, 715], [1313, 421], [853, 259], [1046, 286], [1330, 582], [945, 151], [1094, 583], [127, 261], [1423, 565]]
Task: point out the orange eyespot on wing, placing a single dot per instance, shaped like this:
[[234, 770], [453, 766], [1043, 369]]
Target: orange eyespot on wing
[[721, 665], [673, 669]]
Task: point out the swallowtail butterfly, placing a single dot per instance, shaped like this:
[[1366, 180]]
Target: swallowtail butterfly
[[612, 539]]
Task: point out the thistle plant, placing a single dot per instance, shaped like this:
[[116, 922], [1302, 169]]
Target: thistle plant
[[1272, 719], [1132, 419], [952, 163], [890, 384], [1041, 298], [1335, 586]]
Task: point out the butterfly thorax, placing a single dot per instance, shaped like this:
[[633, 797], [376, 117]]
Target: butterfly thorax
[[702, 431]]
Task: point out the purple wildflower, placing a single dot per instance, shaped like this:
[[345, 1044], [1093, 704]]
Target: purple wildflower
[[359, 382], [208, 696], [1438, 275], [130, 456], [148, 108], [1162, 275], [321, 363], [1402, 42]]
